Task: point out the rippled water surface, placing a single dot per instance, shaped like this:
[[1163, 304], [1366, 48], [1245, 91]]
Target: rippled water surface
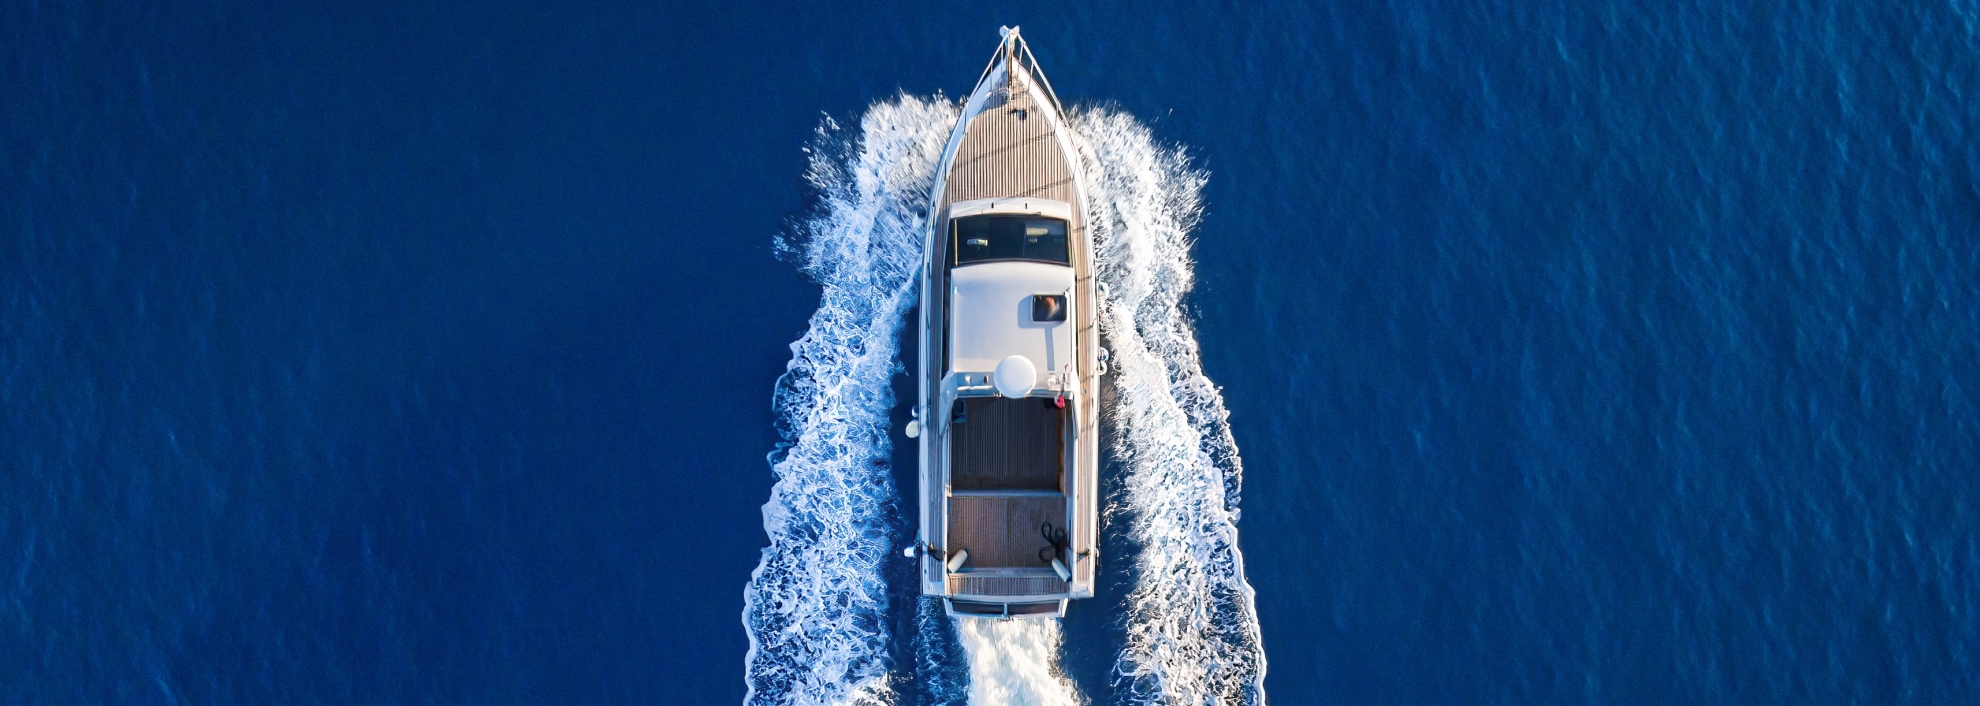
[[1576, 353]]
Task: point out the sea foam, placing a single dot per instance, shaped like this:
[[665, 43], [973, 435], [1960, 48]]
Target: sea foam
[[816, 606], [1192, 624], [1015, 663]]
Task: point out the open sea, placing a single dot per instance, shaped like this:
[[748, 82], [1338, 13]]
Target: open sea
[[521, 353]]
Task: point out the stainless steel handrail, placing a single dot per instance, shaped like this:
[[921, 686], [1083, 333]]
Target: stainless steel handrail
[[1014, 49]]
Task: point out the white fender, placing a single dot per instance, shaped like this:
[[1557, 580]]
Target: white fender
[[1060, 569], [956, 560]]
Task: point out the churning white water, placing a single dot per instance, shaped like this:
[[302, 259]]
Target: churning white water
[[1192, 623], [816, 606], [1015, 663]]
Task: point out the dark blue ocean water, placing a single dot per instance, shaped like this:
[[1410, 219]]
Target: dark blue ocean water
[[1577, 352]]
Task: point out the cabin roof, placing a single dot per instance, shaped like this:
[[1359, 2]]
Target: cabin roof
[[991, 316]]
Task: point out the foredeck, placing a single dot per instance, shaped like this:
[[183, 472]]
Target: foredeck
[[1010, 152]]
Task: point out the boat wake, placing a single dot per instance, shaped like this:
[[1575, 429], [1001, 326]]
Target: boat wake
[[816, 606], [1192, 624], [1015, 663]]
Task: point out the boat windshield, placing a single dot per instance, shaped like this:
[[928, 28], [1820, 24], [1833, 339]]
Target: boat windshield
[[986, 238]]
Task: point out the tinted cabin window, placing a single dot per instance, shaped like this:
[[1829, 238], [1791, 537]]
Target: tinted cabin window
[[985, 238]]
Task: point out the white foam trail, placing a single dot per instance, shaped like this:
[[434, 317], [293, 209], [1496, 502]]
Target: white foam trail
[[816, 606], [1015, 663], [1192, 622]]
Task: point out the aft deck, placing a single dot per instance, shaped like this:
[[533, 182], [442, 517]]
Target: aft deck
[[1007, 475], [1006, 444]]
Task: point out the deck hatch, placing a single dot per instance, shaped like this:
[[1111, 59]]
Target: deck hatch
[[1048, 307]]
